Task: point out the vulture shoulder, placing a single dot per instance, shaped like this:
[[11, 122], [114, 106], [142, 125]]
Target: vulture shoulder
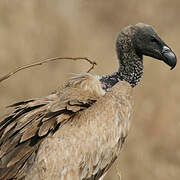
[[87, 145], [31, 122]]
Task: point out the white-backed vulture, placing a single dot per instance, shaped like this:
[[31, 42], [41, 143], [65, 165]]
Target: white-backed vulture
[[77, 132]]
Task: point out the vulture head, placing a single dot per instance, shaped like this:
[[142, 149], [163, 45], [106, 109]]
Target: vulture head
[[132, 43], [147, 42], [141, 39]]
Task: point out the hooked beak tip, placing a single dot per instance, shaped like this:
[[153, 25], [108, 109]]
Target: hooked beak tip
[[169, 57]]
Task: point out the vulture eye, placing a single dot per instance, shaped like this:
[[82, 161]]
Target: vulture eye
[[154, 40]]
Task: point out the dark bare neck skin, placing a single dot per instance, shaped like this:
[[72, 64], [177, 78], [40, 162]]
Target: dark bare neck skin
[[133, 76], [131, 64]]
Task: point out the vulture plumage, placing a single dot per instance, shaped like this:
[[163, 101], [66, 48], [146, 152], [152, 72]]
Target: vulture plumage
[[77, 132]]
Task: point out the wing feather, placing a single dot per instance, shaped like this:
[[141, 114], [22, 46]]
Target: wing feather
[[30, 122]]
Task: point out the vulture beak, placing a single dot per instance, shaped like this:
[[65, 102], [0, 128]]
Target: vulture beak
[[169, 57]]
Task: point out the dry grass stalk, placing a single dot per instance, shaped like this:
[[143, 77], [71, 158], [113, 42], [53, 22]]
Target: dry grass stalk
[[93, 63]]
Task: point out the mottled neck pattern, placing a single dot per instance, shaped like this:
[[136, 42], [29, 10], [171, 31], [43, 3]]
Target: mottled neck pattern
[[130, 63]]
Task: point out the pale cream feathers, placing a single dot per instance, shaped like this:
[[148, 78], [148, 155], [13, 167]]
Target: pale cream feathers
[[75, 133]]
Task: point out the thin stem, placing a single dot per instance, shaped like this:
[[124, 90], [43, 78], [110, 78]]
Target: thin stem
[[93, 63]]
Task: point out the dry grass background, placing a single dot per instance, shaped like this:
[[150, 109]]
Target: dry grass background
[[31, 30]]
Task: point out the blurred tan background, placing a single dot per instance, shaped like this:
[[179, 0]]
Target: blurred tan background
[[32, 30]]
